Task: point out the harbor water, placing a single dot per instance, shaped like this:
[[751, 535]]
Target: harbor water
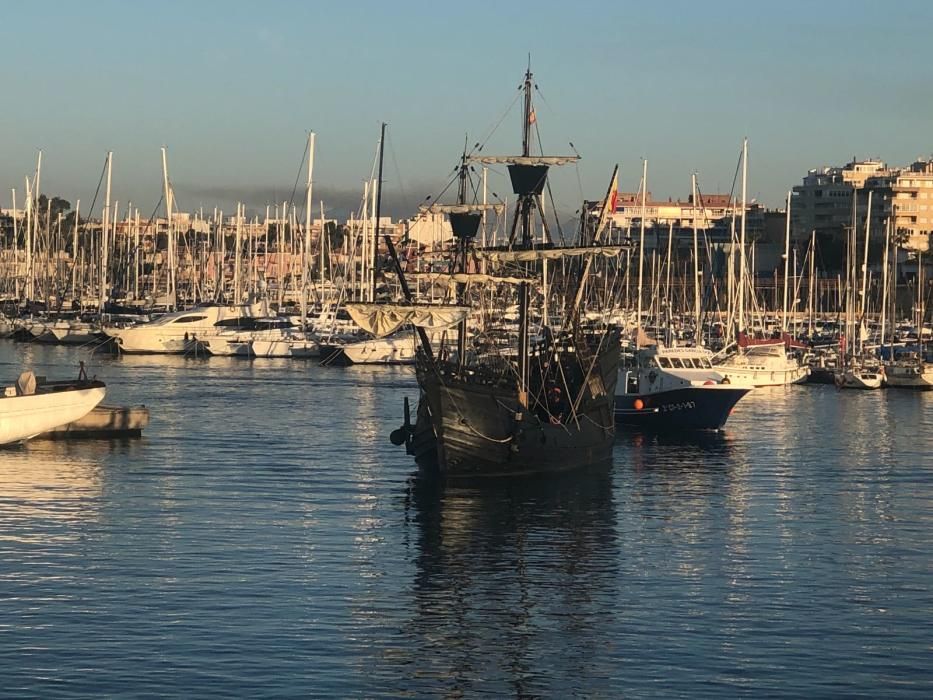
[[264, 539]]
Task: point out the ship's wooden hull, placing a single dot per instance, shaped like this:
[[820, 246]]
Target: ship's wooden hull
[[466, 428]]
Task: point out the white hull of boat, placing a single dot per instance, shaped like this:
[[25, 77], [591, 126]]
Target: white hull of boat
[[909, 377], [173, 333], [22, 417], [381, 351], [746, 376], [859, 379], [284, 347]]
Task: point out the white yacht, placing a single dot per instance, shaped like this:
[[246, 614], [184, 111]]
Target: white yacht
[[177, 332], [261, 337], [764, 365]]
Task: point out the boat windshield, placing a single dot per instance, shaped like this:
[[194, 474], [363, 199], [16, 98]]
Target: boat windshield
[[676, 363], [664, 362]]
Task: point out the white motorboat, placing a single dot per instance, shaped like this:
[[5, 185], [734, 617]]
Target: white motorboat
[[764, 365], [261, 337], [33, 406], [176, 332]]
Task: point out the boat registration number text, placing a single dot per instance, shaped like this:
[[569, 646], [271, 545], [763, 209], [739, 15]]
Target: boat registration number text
[[681, 406]]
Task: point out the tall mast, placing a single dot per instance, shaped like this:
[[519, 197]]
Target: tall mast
[[851, 257], [36, 193], [641, 246], [884, 279], [811, 290], [698, 339], [786, 261], [364, 243], [305, 253], [864, 305], [378, 212], [743, 271], [170, 245], [323, 251], [524, 210], [893, 293], [237, 255], [74, 252], [105, 237], [15, 246], [920, 300], [136, 256]]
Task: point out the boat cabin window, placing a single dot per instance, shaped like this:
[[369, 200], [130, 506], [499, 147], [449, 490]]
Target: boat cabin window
[[689, 363], [676, 363], [189, 319], [664, 362], [235, 322]]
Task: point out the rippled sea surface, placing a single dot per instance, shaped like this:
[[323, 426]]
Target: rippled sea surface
[[264, 539]]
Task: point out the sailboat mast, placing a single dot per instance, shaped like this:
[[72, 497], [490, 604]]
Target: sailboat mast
[[812, 284], [305, 263], [696, 266], [378, 213], [641, 247], [786, 261], [105, 235], [170, 246], [743, 271], [74, 253], [864, 306], [884, 279]]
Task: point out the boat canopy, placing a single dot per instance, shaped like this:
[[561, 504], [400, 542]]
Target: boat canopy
[[384, 319]]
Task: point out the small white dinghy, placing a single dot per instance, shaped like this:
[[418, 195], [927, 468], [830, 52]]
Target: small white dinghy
[[33, 405]]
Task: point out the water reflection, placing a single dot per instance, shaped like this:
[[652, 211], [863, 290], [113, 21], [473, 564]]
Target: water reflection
[[511, 577], [43, 482]]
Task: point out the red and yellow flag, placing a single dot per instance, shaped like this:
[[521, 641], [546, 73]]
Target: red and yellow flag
[[609, 204]]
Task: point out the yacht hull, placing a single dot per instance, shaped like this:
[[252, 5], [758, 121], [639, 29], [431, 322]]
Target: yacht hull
[[915, 377], [850, 379]]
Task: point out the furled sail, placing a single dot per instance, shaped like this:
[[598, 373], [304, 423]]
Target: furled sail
[[384, 319]]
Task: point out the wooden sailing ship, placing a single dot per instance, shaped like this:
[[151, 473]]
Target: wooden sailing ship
[[544, 403]]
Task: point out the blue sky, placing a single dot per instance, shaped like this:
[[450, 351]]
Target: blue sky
[[231, 88]]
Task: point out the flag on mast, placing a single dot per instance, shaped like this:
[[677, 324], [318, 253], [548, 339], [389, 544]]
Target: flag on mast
[[609, 203]]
